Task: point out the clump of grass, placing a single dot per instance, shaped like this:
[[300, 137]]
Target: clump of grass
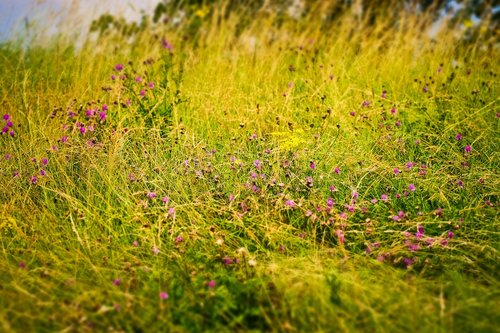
[[279, 175]]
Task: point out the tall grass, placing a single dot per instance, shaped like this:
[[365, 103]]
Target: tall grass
[[245, 168]]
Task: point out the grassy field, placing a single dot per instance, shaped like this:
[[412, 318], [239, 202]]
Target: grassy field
[[239, 173]]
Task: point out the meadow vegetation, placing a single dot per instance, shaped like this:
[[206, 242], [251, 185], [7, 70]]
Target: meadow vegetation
[[230, 172]]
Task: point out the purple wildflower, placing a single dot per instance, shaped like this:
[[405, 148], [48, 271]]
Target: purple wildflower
[[413, 247], [407, 262], [102, 115], [171, 212], [166, 44], [257, 164]]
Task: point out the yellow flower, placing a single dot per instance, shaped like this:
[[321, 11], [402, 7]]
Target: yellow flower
[[290, 139]]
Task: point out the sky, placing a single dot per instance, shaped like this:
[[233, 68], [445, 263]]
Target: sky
[[14, 14]]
